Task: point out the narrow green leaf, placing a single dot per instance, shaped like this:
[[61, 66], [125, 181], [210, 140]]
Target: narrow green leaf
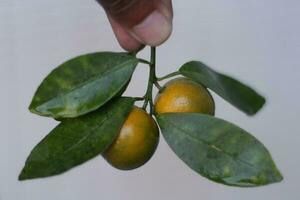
[[219, 150], [238, 94], [77, 140], [83, 84]]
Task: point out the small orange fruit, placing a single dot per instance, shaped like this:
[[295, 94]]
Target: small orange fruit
[[136, 143], [184, 95]]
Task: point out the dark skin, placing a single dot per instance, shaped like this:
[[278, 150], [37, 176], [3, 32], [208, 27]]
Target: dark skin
[[139, 22]]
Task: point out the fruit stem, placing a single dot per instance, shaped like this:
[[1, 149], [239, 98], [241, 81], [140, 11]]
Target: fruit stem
[[152, 80], [168, 76], [157, 85]]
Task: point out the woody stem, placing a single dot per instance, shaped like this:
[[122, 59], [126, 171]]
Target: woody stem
[[151, 82]]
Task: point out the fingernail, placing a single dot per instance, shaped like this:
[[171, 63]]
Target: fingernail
[[154, 30]]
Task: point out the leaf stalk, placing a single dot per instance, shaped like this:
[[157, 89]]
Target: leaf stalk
[[168, 76]]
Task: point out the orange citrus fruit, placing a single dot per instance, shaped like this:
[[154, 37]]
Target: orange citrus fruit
[[184, 95], [136, 142]]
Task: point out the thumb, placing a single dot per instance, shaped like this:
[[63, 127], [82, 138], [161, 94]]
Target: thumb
[[146, 22]]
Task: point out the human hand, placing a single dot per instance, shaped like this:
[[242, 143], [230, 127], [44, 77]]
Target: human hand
[[139, 22]]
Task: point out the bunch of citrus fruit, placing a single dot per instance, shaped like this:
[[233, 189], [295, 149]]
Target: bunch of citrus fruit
[[139, 135], [85, 95]]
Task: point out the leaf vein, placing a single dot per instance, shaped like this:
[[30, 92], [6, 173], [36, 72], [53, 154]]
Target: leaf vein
[[218, 149]]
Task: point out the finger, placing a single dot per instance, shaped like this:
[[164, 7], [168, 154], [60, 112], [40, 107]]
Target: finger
[[148, 21], [126, 41], [169, 7]]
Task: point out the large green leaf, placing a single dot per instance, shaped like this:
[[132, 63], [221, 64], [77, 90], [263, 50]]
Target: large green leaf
[[219, 150], [83, 84], [238, 94], [77, 140]]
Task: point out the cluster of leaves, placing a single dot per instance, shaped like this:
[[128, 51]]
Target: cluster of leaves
[[85, 95]]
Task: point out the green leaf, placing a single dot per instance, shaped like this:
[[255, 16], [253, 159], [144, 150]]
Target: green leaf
[[219, 150], [238, 94], [75, 141], [83, 84]]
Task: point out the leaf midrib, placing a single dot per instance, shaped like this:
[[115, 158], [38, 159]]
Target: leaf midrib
[[216, 78], [219, 149], [92, 79], [92, 132]]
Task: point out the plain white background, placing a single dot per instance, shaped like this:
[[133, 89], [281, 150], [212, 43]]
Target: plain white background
[[257, 41]]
